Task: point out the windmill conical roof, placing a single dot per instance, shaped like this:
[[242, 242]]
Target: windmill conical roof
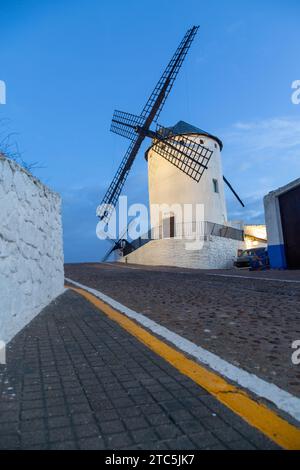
[[183, 127]]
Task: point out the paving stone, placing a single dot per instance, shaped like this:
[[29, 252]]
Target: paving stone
[[30, 396], [64, 445], [110, 427], [192, 426], [32, 404], [168, 431], [226, 434], [52, 402], [204, 440], [91, 443], [57, 393], [181, 443], [57, 411], [83, 418], [33, 413], [8, 417], [213, 422], [200, 411], [122, 402], [158, 419], [151, 409], [79, 408], [144, 435], [59, 434], [129, 412], [87, 430], [8, 428], [163, 396], [135, 423], [107, 415], [180, 416], [36, 437], [58, 422], [41, 446], [153, 445], [173, 405], [218, 446], [9, 442], [33, 425], [117, 441], [240, 444]]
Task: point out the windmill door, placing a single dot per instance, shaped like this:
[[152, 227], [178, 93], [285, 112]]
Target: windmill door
[[169, 227], [290, 219]]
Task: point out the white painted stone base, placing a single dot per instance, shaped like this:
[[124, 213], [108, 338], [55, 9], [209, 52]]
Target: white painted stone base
[[217, 253], [31, 254]]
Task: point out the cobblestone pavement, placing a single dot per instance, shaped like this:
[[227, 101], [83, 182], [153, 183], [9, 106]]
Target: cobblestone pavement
[[249, 322], [76, 380]]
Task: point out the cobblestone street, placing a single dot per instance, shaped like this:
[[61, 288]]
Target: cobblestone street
[[76, 380], [149, 232], [249, 322]]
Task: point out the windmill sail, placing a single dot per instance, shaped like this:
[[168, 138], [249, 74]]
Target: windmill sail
[[233, 191], [164, 85], [125, 124], [186, 154], [149, 114]]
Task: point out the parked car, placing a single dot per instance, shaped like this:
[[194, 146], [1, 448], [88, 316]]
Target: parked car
[[253, 258]]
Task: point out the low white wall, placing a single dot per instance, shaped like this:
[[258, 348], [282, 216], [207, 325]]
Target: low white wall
[[31, 253], [217, 253]]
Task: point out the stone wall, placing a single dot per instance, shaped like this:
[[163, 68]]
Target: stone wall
[[217, 253], [31, 253]]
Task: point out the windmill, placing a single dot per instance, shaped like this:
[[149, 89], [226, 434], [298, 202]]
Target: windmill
[[190, 157]]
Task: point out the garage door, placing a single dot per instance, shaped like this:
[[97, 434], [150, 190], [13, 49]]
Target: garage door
[[290, 219]]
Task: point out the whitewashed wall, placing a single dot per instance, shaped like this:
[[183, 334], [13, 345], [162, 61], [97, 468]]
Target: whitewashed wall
[[31, 254], [276, 247], [217, 253]]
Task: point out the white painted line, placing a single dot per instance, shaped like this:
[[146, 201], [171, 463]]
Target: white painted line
[[282, 399], [252, 277]]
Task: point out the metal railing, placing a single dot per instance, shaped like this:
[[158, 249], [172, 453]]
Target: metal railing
[[188, 231]]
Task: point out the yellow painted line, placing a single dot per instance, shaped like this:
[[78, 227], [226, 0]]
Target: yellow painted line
[[256, 414]]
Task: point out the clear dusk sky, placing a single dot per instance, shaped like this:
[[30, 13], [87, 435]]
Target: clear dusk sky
[[68, 64]]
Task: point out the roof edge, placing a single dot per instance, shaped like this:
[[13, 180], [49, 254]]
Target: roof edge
[[204, 134]]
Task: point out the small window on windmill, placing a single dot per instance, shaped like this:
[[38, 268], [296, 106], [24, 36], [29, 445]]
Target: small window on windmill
[[201, 141], [216, 185]]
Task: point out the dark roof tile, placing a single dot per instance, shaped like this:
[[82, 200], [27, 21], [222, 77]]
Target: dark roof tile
[[183, 127]]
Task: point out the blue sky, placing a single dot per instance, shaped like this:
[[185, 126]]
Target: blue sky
[[68, 64]]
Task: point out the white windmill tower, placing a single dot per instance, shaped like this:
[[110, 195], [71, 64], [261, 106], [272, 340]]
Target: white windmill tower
[[169, 185]]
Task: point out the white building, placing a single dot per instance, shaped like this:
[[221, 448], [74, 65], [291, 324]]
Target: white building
[[282, 214], [172, 189]]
